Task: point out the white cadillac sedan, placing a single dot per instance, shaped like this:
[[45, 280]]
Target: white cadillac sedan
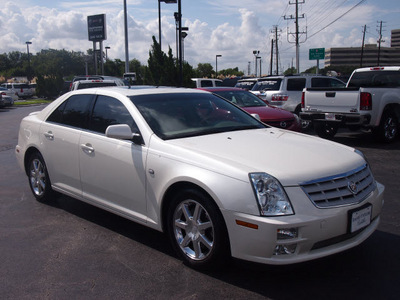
[[215, 179]]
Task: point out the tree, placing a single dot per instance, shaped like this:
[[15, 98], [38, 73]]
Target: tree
[[204, 70]]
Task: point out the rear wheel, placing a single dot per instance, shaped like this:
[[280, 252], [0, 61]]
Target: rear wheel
[[388, 128], [197, 230], [326, 130], [39, 180]]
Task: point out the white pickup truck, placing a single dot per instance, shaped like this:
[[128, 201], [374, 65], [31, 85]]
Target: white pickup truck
[[371, 100]]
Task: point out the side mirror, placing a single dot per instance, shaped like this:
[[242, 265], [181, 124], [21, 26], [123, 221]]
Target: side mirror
[[124, 132]]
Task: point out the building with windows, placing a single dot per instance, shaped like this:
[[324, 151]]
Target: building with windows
[[370, 55]]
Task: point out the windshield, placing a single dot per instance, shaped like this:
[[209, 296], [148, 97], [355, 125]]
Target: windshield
[[179, 115], [268, 85], [247, 85], [241, 98]]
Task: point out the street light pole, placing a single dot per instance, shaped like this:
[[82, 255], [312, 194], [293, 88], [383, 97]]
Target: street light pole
[[159, 17], [126, 39], [216, 64], [255, 52], [107, 47], [180, 43], [29, 59]]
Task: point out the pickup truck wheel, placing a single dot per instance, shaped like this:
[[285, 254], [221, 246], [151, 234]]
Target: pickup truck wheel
[[325, 130], [388, 128]]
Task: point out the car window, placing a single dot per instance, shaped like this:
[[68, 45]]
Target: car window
[[296, 84], [89, 84], [241, 99], [206, 83], [73, 111], [326, 82], [375, 79], [268, 85], [110, 111], [218, 83]]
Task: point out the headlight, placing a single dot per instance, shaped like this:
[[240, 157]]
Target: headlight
[[270, 195]]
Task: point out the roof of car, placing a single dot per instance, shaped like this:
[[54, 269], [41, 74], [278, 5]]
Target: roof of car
[[220, 88], [127, 91]]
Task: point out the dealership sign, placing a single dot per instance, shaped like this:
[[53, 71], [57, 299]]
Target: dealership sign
[[97, 28]]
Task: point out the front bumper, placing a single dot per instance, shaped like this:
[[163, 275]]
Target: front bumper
[[321, 232]]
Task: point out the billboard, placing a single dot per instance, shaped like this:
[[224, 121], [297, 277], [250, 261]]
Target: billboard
[[97, 30]]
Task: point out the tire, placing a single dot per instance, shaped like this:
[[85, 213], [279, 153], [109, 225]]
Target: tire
[[388, 128], [326, 130], [197, 231], [39, 180]]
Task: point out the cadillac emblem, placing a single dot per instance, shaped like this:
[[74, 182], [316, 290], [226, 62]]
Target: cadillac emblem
[[352, 186]]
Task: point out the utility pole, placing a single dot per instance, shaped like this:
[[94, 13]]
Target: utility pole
[[272, 57], [296, 33], [275, 31], [362, 46], [379, 42]]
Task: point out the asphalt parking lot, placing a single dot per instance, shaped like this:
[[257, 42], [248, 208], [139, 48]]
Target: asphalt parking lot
[[71, 250]]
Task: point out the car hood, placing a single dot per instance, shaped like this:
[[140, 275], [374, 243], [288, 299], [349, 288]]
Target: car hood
[[269, 113], [290, 157]]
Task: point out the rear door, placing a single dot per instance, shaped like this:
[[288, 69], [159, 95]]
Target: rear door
[[60, 135]]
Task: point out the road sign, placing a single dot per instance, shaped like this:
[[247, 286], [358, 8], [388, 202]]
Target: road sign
[[317, 53]]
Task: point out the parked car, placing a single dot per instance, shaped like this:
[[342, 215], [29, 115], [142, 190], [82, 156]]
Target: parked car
[[206, 82], [252, 104], [86, 84], [371, 101], [5, 100], [285, 91], [9, 93], [21, 89], [119, 81], [219, 182]]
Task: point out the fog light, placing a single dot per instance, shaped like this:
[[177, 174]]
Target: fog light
[[285, 249], [287, 233]]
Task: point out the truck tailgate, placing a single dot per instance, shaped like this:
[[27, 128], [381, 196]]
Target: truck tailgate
[[331, 100]]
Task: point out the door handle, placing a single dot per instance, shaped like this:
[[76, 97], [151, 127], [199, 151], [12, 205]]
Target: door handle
[[49, 135], [87, 148]]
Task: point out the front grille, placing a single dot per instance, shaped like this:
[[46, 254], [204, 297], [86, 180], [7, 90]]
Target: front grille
[[340, 190], [280, 124]]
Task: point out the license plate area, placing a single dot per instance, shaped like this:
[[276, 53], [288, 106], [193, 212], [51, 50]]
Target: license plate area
[[359, 218], [330, 116]]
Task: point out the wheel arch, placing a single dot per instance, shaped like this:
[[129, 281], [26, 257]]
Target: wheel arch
[[173, 190], [28, 154]]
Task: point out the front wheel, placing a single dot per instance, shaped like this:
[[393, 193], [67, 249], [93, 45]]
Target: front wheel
[[39, 180], [197, 230], [326, 130]]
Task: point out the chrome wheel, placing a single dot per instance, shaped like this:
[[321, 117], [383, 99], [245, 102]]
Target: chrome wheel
[[37, 177], [390, 128], [193, 230]]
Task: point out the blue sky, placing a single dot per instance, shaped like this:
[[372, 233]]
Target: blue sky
[[231, 28]]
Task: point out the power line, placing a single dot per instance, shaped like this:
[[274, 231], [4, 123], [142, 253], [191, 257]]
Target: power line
[[359, 3]]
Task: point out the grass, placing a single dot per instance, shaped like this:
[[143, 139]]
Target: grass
[[31, 102]]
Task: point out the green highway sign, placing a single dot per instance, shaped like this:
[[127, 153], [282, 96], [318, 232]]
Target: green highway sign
[[317, 53]]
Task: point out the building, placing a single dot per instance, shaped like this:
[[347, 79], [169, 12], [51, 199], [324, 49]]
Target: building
[[395, 39], [370, 56]]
